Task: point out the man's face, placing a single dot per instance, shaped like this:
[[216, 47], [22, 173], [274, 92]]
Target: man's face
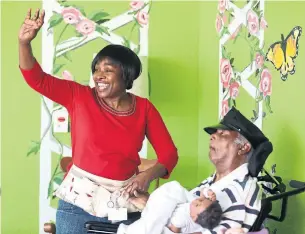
[[222, 146]]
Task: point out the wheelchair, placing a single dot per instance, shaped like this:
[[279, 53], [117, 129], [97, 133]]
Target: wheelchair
[[273, 186]]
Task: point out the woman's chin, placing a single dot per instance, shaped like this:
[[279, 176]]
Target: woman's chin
[[102, 93]]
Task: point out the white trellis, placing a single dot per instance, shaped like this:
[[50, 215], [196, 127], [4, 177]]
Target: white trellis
[[49, 144], [240, 18]]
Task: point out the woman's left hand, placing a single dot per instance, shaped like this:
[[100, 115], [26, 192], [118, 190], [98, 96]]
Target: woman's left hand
[[140, 183]]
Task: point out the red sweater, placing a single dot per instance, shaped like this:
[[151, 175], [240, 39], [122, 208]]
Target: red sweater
[[104, 142]]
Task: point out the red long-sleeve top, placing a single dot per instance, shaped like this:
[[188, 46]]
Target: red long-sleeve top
[[106, 142]]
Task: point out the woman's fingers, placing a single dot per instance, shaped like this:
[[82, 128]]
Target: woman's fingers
[[37, 20], [127, 188], [41, 18], [36, 15], [134, 187], [28, 15]]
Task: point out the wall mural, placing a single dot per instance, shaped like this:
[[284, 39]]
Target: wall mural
[[248, 23], [87, 26], [232, 24]]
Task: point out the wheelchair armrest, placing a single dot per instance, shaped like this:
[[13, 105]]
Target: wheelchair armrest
[[285, 194], [267, 208], [284, 197]]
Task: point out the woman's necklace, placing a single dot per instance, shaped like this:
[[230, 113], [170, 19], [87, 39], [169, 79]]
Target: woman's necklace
[[113, 111]]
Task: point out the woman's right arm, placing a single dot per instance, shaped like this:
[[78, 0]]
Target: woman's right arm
[[26, 58], [60, 91]]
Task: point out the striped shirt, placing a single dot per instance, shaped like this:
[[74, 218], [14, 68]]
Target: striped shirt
[[239, 196]]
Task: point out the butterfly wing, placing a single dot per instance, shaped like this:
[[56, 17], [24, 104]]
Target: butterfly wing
[[292, 47], [282, 54], [276, 56]]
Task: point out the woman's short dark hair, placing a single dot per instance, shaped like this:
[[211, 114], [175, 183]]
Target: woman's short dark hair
[[127, 59], [211, 216]]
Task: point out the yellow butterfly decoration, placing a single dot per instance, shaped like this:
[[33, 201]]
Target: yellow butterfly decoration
[[282, 53]]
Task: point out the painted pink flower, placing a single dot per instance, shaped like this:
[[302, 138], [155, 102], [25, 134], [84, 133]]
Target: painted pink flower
[[85, 27], [234, 90], [263, 23], [219, 23], [71, 15], [223, 5], [66, 75], [225, 107], [135, 5], [252, 22], [234, 35], [142, 17], [226, 72], [265, 85], [259, 60]]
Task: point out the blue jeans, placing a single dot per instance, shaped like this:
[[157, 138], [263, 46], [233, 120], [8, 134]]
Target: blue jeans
[[71, 219]]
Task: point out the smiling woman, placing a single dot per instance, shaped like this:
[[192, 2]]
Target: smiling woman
[[114, 70], [108, 126]]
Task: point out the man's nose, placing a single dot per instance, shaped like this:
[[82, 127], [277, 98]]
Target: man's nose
[[215, 134]]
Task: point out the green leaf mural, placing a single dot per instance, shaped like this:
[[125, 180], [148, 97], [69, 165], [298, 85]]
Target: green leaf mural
[[56, 68], [97, 15], [34, 148], [55, 20], [102, 29]]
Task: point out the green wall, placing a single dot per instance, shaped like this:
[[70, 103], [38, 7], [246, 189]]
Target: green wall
[[183, 64], [285, 127]]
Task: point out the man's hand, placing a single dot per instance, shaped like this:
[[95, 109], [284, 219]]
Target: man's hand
[[31, 26], [140, 183], [139, 200], [211, 195]]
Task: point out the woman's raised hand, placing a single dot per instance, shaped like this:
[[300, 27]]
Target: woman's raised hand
[[31, 26]]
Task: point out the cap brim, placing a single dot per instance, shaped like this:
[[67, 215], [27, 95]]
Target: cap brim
[[213, 129]]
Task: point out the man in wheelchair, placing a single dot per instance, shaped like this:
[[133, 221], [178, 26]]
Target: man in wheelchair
[[238, 150], [232, 144]]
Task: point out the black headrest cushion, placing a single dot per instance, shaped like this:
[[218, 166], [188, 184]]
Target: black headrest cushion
[[259, 157]]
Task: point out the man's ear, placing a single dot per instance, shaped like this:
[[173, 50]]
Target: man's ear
[[245, 149]]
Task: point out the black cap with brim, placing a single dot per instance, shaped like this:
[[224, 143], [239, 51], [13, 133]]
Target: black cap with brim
[[235, 121], [213, 129]]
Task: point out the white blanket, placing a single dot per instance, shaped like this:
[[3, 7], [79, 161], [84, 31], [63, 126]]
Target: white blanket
[[158, 210]]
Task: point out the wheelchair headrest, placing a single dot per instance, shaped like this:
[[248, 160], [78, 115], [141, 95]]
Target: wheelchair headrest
[[259, 157]]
